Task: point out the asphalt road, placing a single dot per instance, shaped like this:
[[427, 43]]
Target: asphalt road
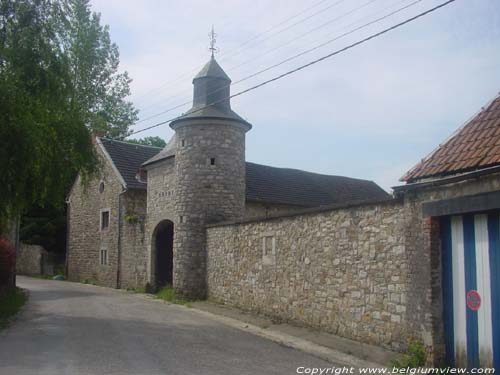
[[71, 328]]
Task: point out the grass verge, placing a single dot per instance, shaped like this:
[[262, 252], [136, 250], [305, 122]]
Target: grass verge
[[10, 303], [168, 293]]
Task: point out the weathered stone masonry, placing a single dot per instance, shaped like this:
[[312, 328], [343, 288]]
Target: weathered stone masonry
[[342, 270], [369, 272]]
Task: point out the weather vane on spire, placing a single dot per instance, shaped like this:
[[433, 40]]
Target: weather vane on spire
[[212, 36]]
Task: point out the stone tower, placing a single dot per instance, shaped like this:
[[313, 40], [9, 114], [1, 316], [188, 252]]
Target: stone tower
[[210, 174]]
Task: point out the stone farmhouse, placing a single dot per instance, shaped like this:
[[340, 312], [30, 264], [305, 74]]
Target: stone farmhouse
[[329, 252]]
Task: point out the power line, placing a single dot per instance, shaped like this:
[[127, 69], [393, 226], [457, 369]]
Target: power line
[[288, 59], [250, 40], [350, 46], [267, 52]]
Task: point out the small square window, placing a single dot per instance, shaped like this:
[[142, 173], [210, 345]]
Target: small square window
[[104, 220], [103, 256]]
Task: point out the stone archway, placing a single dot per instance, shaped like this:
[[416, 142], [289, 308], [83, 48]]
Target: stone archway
[[163, 242]]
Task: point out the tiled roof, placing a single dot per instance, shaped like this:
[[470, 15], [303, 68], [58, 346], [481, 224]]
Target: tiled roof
[[474, 146], [296, 187], [128, 158]]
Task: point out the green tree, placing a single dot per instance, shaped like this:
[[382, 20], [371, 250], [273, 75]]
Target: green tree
[[100, 90], [149, 141], [43, 131]]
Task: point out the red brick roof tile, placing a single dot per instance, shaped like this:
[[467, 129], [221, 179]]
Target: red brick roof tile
[[475, 146]]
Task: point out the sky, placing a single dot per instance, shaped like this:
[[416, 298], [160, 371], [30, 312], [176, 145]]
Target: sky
[[370, 112]]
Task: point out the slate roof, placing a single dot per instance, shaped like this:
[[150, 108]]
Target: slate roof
[[212, 69], [306, 189], [264, 183], [128, 158], [474, 146]]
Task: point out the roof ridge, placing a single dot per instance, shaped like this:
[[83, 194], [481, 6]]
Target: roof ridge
[[309, 172], [128, 143], [420, 163]]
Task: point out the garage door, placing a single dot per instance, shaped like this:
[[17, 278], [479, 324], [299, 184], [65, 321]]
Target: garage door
[[471, 289]]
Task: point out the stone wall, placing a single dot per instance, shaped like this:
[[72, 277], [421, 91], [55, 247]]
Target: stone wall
[[85, 237], [210, 187], [29, 259], [160, 206], [259, 210], [133, 245], [370, 273], [343, 271]]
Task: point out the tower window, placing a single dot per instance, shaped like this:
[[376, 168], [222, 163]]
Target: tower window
[[183, 142], [181, 219], [101, 187], [212, 161]]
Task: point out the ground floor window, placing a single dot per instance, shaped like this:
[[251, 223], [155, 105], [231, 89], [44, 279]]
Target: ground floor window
[[104, 257]]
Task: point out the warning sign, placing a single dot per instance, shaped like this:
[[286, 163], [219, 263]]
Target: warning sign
[[473, 300]]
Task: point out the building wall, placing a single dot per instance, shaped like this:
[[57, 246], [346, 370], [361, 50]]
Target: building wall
[[206, 192], [29, 259], [370, 273], [161, 194], [133, 242], [343, 271], [85, 239], [424, 252], [257, 209]]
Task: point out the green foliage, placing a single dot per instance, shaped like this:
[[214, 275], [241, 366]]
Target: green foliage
[[149, 141], [58, 81], [131, 217], [100, 91], [44, 134], [415, 357], [45, 226], [137, 290], [168, 293], [10, 303]]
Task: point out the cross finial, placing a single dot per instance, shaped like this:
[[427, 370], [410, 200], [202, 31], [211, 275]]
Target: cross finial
[[212, 36]]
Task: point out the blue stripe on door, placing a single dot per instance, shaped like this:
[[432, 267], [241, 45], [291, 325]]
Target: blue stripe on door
[[471, 284], [449, 337], [494, 253]]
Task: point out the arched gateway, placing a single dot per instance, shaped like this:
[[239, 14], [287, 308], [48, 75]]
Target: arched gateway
[[163, 241]]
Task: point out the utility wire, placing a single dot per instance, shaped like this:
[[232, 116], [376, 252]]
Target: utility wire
[[350, 46], [287, 59], [261, 55], [248, 41]]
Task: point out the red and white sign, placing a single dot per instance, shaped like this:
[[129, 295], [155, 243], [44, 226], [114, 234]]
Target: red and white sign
[[473, 300]]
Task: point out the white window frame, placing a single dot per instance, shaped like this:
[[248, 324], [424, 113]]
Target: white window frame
[[103, 256], [101, 229]]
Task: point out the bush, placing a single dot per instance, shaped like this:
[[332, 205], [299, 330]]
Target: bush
[[7, 263], [168, 293], [415, 356], [10, 303]]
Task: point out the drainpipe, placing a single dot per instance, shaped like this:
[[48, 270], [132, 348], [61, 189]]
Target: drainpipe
[[68, 223], [120, 226]]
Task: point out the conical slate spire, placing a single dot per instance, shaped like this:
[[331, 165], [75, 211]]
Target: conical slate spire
[[211, 94]]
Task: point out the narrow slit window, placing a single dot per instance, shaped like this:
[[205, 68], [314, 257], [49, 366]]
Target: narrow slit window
[[104, 220], [212, 161]]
